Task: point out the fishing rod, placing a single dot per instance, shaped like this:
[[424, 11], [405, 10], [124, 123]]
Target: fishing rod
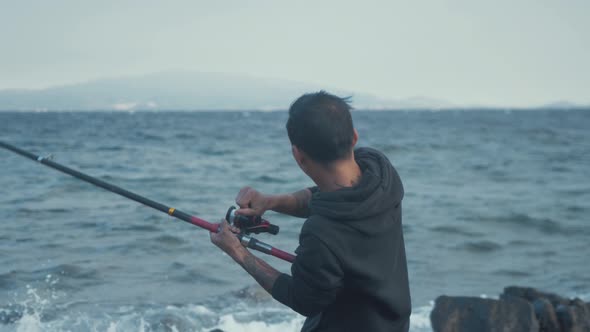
[[247, 225]]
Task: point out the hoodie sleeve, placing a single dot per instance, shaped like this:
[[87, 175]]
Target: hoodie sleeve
[[316, 278]]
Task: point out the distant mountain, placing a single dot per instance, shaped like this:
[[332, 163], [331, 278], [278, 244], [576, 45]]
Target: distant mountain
[[563, 105], [187, 91]]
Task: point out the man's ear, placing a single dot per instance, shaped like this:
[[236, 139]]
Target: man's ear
[[355, 137], [299, 157]]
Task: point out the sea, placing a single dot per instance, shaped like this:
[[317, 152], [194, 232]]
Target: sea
[[493, 198]]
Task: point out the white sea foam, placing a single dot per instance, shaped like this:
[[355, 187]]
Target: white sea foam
[[200, 310], [228, 323], [29, 323], [420, 318], [243, 321], [241, 317]]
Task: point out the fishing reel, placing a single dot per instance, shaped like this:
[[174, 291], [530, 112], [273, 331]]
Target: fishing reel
[[250, 224]]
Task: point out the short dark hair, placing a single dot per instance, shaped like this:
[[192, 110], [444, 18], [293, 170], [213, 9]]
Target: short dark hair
[[320, 125]]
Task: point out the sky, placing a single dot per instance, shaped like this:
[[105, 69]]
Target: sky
[[468, 52]]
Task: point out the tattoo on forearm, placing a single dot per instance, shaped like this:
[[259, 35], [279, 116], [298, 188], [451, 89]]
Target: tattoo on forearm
[[302, 198], [264, 274]]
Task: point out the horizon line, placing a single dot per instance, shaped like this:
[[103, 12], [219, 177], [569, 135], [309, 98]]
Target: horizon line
[[278, 110]]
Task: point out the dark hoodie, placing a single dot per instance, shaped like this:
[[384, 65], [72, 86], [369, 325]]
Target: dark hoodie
[[350, 273]]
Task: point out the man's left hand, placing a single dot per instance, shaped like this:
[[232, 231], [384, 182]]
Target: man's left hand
[[227, 240]]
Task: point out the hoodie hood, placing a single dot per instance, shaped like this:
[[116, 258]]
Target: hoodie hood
[[379, 189]]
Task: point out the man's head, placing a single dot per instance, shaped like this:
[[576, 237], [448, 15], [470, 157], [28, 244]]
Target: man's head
[[320, 128]]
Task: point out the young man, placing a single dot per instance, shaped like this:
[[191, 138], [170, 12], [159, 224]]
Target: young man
[[350, 273]]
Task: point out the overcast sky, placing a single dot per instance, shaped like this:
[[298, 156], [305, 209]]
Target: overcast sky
[[496, 52]]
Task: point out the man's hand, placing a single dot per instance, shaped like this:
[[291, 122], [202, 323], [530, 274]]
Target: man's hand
[[252, 202], [227, 240]]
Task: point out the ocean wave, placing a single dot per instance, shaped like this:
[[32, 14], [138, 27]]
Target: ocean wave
[[543, 225], [217, 151], [196, 318], [148, 137], [513, 273], [113, 148], [29, 211], [392, 148], [24, 239], [194, 276], [576, 209], [138, 228], [231, 322], [458, 230], [70, 271], [543, 253], [520, 243], [185, 136], [42, 310], [479, 246], [9, 280], [270, 179], [169, 240], [63, 277]]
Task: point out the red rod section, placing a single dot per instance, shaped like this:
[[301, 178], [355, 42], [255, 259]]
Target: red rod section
[[204, 224], [282, 255]]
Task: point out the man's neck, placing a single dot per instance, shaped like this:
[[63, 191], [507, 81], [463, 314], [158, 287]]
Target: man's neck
[[338, 175]]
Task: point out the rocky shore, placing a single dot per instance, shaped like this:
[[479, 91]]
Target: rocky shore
[[517, 309]]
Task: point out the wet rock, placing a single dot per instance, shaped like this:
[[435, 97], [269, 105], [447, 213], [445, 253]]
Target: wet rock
[[554, 312], [564, 316], [476, 314], [574, 317], [532, 294], [518, 309], [546, 316]]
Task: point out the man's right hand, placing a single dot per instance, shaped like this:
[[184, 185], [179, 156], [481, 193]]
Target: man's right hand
[[252, 202]]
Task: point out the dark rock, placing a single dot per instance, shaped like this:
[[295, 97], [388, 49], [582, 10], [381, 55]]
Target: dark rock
[[575, 317], [570, 315], [546, 316], [476, 314], [532, 294], [216, 330], [565, 317]]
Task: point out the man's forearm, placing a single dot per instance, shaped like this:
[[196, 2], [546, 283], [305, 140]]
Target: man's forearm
[[263, 273], [295, 204]]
